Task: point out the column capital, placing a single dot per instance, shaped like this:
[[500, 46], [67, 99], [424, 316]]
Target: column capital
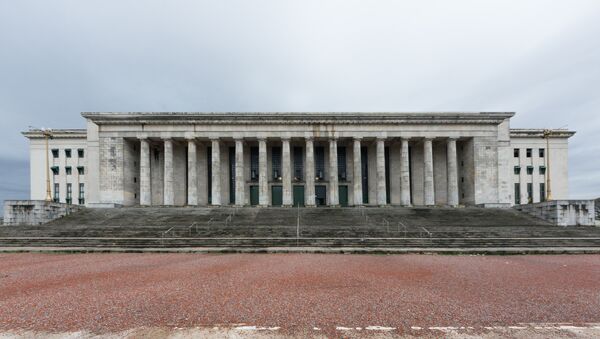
[[214, 138], [167, 139], [261, 139], [236, 139], [285, 139], [405, 138], [190, 139], [143, 138], [357, 138], [428, 138], [452, 138], [309, 138], [381, 138], [333, 138]]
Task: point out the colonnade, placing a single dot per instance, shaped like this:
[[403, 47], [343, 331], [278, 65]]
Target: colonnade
[[309, 168]]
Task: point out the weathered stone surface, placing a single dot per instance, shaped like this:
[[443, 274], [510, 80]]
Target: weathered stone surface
[[35, 212], [562, 212]]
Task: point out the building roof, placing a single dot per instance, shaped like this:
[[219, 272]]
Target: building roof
[[297, 117], [539, 133], [70, 133]]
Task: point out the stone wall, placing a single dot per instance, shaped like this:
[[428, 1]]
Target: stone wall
[[563, 212], [35, 212]]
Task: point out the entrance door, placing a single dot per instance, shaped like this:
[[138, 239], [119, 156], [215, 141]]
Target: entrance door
[[253, 195], [343, 195], [298, 195], [321, 195], [276, 195]]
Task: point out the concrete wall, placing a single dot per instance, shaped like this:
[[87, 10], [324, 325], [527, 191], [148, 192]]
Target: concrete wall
[[34, 212], [562, 212]]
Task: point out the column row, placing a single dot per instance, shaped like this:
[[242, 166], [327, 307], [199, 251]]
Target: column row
[[286, 173]]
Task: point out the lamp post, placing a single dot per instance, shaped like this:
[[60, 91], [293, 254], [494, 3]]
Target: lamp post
[[47, 132], [547, 133]]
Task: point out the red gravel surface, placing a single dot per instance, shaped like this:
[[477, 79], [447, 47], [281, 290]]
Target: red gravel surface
[[114, 292]]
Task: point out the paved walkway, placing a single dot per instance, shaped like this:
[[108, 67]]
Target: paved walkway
[[315, 294]]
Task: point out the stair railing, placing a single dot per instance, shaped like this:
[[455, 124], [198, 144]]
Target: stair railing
[[208, 223], [426, 232], [228, 220], [195, 223], [162, 237], [387, 224], [400, 223]]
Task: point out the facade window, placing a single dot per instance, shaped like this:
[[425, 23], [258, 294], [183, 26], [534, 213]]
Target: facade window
[[543, 170], [81, 194], [56, 193], [69, 193], [517, 193], [253, 163], [528, 152], [55, 170], [80, 170], [80, 153], [319, 163], [55, 153], [516, 152], [276, 162], [542, 192], [542, 152], [68, 170], [529, 193], [529, 170], [517, 169], [67, 153], [157, 154], [341, 158], [298, 164]]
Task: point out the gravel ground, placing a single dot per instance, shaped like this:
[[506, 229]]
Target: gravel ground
[[294, 293]]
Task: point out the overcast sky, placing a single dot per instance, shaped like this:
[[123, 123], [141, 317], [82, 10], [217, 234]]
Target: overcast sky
[[538, 58]]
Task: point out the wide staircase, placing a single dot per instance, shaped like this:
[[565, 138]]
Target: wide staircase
[[161, 227]]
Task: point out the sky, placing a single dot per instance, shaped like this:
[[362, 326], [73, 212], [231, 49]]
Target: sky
[[538, 58]]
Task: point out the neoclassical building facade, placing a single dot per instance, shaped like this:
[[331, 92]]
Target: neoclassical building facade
[[300, 159]]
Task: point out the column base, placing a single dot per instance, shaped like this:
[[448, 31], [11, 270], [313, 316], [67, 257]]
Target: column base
[[333, 205], [310, 206], [287, 205]]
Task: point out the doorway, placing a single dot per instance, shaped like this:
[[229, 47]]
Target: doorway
[[320, 195]]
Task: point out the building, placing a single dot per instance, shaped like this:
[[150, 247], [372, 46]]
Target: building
[[308, 159]]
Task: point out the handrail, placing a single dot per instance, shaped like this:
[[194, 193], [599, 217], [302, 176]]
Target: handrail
[[400, 223], [387, 224], [228, 220], [426, 231], [195, 223]]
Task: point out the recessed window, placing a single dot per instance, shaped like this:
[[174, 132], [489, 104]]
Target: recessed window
[[542, 170], [80, 153], [530, 170], [80, 170], [56, 193], [516, 152], [68, 153], [54, 170], [68, 170], [528, 152], [69, 194], [517, 169], [55, 153], [542, 152], [81, 194]]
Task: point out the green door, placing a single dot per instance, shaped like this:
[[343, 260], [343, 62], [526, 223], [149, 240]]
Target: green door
[[343, 195], [253, 195], [298, 195], [276, 195]]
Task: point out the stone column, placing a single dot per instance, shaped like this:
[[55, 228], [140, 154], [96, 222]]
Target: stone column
[[381, 194], [334, 199], [263, 183], [428, 171], [452, 173], [240, 183], [169, 191], [286, 176], [404, 173], [145, 179], [357, 170], [216, 172], [192, 198], [309, 174]]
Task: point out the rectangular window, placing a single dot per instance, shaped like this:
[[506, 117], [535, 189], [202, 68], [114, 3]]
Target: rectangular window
[[209, 173], [517, 169], [529, 170], [80, 170], [298, 164], [56, 193], [543, 170], [517, 193], [67, 153], [68, 170], [516, 152], [341, 162], [542, 192], [80, 152], [319, 163], [542, 152], [69, 193], [364, 169], [81, 194], [253, 163], [55, 170], [276, 162], [232, 175], [528, 152], [55, 153], [529, 193]]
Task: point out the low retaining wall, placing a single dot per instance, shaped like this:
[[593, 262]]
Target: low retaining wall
[[563, 212], [35, 212]]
